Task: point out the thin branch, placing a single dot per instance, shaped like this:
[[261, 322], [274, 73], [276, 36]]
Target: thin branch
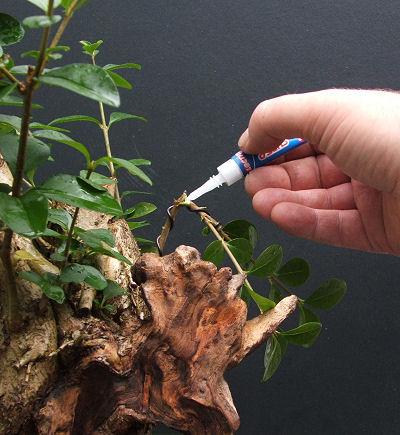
[[105, 129], [9, 75], [41, 60]]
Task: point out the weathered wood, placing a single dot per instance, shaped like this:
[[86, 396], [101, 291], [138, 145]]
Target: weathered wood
[[174, 373]]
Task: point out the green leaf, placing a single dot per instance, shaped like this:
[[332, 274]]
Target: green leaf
[[44, 4], [112, 253], [95, 238], [41, 126], [5, 188], [57, 257], [215, 253], [13, 121], [10, 100], [136, 225], [60, 217], [97, 178], [141, 240], [140, 209], [242, 229], [113, 289], [25, 215], [139, 162], [46, 283], [148, 248], [126, 164], [133, 192], [241, 249], [92, 184], [307, 315], [119, 81], [295, 272], [303, 335], [275, 293], [73, 118], [70, 190], [61, 137], [112, 66], [91, 81], [268, 262], [6, 91], [91, 48], [119, 116], [11, 30], [1, 51], [41, 21], [53, 292], [206, 231], [30, 276], [83, 273], [37, 152], [328, 295], [48, 51], [263, 303], [272, 357]]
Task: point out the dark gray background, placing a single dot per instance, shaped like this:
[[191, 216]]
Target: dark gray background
[[206, 65]]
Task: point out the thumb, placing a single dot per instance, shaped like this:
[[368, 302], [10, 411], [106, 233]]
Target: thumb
[[296, 115]]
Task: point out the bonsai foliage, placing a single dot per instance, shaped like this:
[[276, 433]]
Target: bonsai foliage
[[47, 213], [25, 207]]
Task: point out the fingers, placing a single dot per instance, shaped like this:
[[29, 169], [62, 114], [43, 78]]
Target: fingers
[[334, 227], [306, 173], [336, 198]]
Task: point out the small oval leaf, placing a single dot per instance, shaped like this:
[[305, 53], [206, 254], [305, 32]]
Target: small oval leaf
[[303, 335], [241, 249], [328, 295], [268, 262], [215, 253], [11, 30], [295, 272], [241, 228], [40, 21]]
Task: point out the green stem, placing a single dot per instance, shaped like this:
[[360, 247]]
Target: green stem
[[280, 284], [216, 233], [10, 76], [42, 60], [104, 127], [71, 230]]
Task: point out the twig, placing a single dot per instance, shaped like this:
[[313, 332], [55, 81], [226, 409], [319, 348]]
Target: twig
[[105, 129], [64, 22], [9, 75], [41, 60]]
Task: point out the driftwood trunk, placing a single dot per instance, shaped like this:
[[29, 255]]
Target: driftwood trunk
[[159, 358]]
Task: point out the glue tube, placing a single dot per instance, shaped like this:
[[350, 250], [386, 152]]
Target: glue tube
[[240, 164]]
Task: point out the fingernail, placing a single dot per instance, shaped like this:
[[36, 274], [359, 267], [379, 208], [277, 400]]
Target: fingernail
[[244, 139]]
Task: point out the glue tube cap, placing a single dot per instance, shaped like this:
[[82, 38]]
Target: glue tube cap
[[230, 172]]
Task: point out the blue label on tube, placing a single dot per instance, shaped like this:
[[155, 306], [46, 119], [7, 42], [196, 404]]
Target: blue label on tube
[[248, 162]]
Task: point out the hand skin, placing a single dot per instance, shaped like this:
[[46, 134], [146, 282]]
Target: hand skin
[[344, 189]]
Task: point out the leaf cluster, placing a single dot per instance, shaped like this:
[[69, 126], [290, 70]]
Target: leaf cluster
[[29, 212], [241, 237]]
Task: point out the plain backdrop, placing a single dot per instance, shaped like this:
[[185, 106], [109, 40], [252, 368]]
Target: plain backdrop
[[206, 64]]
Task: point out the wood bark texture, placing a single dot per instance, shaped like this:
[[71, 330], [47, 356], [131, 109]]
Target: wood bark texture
[[160, 357]]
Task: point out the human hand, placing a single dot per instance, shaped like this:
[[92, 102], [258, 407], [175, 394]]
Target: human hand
[[342, 190]]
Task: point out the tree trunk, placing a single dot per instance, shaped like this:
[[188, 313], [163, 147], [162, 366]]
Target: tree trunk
[[160, 357]]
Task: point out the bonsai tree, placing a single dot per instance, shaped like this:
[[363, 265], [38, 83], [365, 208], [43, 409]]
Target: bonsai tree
[[99, 332]]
